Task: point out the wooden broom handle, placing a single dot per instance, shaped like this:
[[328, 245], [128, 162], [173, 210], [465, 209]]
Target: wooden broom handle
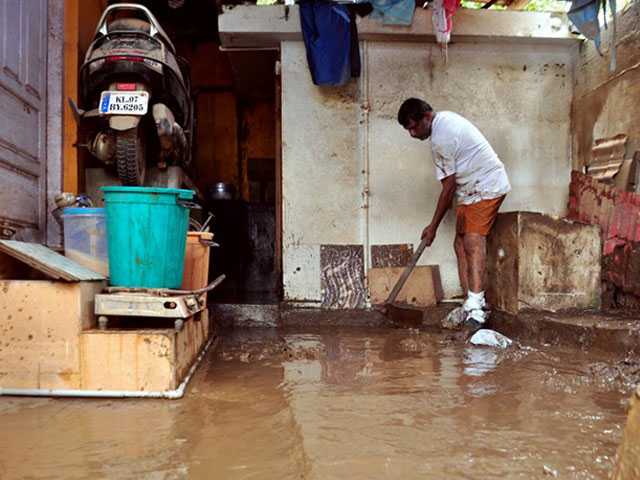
[[405, 274]]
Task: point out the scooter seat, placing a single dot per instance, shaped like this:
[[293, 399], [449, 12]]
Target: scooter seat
[[130, 25]]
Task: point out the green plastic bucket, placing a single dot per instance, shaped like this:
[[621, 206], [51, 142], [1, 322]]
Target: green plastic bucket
[[146, 233]]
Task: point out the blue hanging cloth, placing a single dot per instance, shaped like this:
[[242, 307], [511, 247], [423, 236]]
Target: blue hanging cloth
[[327, 33], [584, 15], [393, 12]]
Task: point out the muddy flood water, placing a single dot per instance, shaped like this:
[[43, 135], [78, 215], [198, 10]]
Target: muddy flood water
[[336, 403]]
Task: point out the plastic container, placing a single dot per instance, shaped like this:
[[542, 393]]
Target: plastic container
[[85, 238], [147, 232]]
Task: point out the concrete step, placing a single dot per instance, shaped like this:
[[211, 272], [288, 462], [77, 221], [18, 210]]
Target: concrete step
[[609, 332], [245, 314]]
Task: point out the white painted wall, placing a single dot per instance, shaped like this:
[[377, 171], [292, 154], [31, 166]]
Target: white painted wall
[[518, 95]]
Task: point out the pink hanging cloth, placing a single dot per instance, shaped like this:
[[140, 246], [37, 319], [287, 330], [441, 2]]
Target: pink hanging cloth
[[442, 18]]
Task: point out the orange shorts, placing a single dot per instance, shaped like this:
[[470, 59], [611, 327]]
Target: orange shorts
[[477, 217]]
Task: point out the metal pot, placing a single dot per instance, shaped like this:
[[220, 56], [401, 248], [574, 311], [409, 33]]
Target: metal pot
[[222, 191]]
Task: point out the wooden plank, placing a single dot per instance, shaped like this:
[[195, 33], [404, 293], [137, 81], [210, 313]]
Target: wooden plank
[[47, 261], [216, 154], [70, 90], [40, 327], [423, 288], [139, 360]]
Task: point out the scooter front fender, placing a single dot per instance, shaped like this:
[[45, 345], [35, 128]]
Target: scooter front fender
[[124, 122]]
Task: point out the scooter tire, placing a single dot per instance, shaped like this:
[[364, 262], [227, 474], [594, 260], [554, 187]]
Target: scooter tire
[[130, 161]]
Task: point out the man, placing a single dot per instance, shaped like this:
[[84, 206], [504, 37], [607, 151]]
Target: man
[[470, 170]]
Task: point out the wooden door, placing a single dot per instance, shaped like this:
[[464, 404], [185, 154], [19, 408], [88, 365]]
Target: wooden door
[[23, 119]]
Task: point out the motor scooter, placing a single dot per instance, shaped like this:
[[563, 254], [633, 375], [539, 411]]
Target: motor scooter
[[135, 95]]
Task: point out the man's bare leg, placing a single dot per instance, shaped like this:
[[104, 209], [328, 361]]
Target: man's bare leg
[[463, 266], [475, 246]]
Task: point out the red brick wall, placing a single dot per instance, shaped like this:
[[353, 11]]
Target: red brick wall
[[618, 214]]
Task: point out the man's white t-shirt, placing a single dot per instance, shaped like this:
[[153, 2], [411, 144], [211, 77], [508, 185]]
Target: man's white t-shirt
[[459, 147]]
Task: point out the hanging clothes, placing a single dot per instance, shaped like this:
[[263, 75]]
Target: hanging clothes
[[354, 45], [442, 19], [331, 41], [440, 24], [584, 15], [393, 12], [612, 60]]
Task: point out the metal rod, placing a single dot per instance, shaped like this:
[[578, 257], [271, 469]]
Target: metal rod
[[206, 223], [366, 197], [247, 49], [165, 292]]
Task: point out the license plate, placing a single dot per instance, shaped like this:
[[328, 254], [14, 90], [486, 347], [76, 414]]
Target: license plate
[[124, 103]]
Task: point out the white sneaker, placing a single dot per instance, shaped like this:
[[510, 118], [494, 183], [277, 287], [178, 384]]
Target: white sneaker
[[475, 320], [472, 303], [477, 315]]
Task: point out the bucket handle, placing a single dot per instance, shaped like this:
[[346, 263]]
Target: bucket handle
[[209, 243], [188, 204]]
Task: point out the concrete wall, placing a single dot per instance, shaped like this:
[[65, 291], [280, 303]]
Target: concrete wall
[[519, 95], [614, 212], [543, 263], [607, 103]]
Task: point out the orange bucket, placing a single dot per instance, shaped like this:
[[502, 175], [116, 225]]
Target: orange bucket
[[196, 261]]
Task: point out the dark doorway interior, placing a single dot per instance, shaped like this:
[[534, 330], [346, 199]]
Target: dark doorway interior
[[247, 223], [236, 145]]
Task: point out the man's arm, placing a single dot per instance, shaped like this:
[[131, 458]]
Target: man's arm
[[444, 202]]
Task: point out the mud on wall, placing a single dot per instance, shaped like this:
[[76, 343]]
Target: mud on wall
[[608, 103], [518, 95]]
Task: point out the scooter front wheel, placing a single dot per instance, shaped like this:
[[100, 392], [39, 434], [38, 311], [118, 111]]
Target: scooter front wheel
[[130, 157]]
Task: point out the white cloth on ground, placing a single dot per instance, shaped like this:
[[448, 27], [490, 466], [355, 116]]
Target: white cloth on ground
[[490, 338]]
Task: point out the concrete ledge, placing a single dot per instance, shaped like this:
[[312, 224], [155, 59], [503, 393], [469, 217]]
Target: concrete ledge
[[603, 332], [416, 317], [323, 317], [250, 26], [284, 315], [245, 315], [585, 330]]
